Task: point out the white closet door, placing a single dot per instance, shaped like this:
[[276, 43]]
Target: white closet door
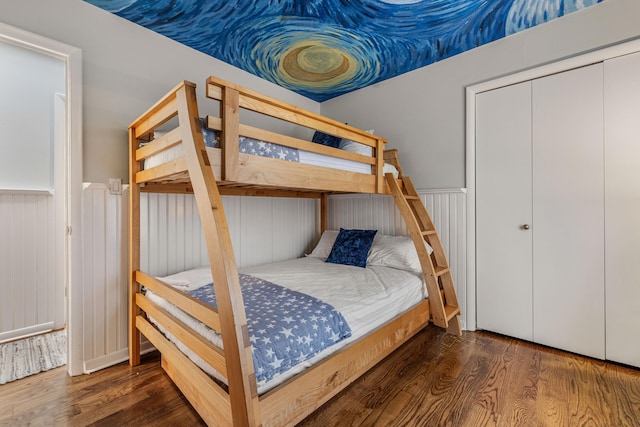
[[503, 207], [568, 211], [622, 136]]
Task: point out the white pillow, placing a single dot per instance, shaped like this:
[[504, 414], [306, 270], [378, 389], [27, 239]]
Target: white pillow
[[396, 252], [190, 279], [323, 248], [387, 168], [356, 147]]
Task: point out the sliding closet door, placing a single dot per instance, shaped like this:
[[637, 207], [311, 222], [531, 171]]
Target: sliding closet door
[[503, 210], [568, 211], [622, 136]]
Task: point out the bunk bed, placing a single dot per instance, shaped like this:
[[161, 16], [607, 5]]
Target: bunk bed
[[228, 393]]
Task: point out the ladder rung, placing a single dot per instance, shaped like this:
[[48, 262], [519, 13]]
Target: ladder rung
[[450, 311], [409, 197], [440, 270], [429, 232]]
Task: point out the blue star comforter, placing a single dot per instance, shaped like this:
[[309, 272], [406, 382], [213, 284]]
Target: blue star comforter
[[286, 327], [252, 146]]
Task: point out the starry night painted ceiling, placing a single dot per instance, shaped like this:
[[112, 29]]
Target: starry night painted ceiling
[[325, 48]]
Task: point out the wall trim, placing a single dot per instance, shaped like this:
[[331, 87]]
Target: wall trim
[[367, 196], [93, 365]]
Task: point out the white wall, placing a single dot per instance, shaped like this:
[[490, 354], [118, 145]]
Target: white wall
[[126, 69], [28, 87], [422, 113]]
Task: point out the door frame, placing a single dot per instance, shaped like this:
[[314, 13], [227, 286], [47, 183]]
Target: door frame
[[72, 58], [577, 61]]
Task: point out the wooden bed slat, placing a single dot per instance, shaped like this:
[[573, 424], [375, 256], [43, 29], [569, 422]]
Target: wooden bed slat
[[301, 144], [164, 170], [267, 105], [160, 144], [290, 402], [196, 308], [215, 123], [166, 113], [160, 112], [208, 398], [268, 171], [211, 354]]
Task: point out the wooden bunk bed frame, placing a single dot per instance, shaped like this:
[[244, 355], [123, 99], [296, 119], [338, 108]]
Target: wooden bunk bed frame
[[237, 173]]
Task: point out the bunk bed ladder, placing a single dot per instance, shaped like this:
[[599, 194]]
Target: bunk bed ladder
[[443, 300], [243, 392]]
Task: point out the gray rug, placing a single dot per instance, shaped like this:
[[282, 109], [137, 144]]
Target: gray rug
[[29, 356]]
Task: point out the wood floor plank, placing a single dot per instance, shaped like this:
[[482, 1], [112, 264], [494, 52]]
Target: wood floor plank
[[479, 379]]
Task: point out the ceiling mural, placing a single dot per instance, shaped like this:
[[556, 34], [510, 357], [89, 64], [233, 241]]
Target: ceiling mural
[[325, 48]]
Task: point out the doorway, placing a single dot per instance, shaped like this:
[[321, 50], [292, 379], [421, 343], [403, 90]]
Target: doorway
[[44, 181]]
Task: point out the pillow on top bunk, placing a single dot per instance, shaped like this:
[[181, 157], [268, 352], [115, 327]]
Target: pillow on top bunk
[[396, 252], [323, 248], [356, 147], [352, 247], [326, 139]]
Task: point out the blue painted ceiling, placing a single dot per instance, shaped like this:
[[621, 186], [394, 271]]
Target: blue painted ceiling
[[326, 48]]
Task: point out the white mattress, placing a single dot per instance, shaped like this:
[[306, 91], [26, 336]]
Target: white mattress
[[305, 157], [309, 158], [366, 297]]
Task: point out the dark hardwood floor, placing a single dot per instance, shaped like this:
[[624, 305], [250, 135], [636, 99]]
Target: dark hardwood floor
[[479, 379]]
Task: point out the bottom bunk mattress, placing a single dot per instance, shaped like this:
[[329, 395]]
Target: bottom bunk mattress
[[364, 298]]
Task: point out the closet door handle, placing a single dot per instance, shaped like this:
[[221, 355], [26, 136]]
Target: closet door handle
[[525, 226]]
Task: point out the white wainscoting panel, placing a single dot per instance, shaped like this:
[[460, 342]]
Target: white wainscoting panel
[[262, 230], [447, 209], [31, 270], [105, 222]]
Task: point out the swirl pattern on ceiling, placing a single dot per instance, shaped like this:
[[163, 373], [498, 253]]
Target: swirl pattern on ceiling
[[326, 48]]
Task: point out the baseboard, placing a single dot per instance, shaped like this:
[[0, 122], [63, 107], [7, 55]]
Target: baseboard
[[114, 358]]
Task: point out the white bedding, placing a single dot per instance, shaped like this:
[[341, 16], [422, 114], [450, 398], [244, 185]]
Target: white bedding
[[366, 297], [309, 158], [305, 157]]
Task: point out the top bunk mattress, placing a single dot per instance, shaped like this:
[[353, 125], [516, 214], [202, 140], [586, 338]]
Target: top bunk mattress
[[267, 149]]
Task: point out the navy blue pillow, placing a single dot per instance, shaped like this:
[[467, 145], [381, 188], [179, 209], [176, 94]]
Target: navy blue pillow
[[324, 139], [352, 247]]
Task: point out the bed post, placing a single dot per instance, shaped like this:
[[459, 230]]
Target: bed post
[[379, 166], [243, 392], [324, 212], [229, 106], [134, 249]]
